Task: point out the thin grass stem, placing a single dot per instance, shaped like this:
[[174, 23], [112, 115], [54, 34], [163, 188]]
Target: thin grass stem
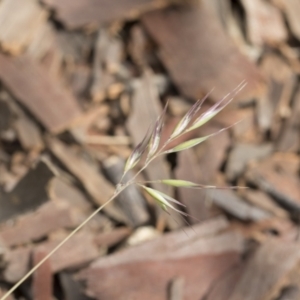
[[9, 292]]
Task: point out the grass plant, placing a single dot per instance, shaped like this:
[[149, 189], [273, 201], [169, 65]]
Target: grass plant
[[149, 149]]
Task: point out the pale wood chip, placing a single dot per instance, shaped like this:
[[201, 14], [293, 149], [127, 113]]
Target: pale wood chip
[[19, 25]]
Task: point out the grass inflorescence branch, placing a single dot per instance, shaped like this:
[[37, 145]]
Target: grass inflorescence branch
[[149, 147]]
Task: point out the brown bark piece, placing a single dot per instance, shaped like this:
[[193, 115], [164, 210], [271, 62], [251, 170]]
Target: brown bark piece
[[138, 45], [187, 259], [165, 244], [78, 79], [82, 127], [2, 293], [289, 138], [233, 204], [95, 184], [244, 121], [274, 106], [45, 49], [292, 10], [265, 24], [42, 279], [29, 193], [224, 286], [199, 272], [108, 239], [266, 271], [282, 185], [43, 42], [240, 156], [33, 226], [176, 289], [265, 202], [290, 293], [292, 290], [71, 288], [79, 250], [86, 173], [287, 162], [95, 12], [194, 199], [284, 228], [197, 62], [61, 191], [107, 61], [5, 115], [18, 262], [47, 100], [7, 180], [230, 241], [28, 132], [19, 26], [75, 46]]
